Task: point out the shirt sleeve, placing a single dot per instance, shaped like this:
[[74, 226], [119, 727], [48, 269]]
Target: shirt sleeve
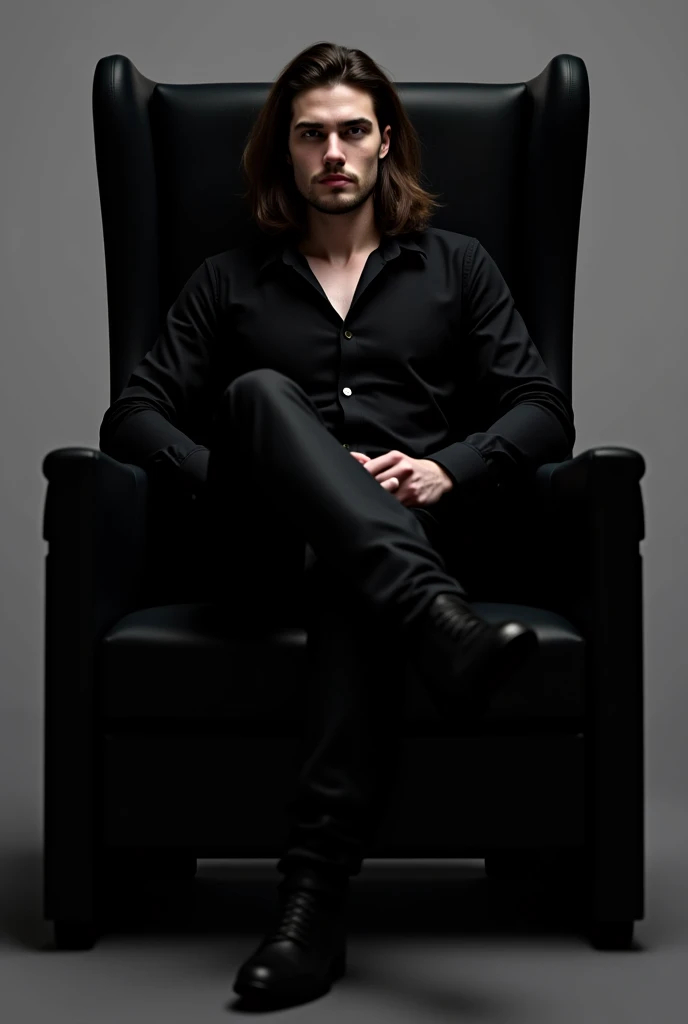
[[509, 380], [142, 424]]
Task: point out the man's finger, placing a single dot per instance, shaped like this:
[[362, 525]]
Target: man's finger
[[382, 462]]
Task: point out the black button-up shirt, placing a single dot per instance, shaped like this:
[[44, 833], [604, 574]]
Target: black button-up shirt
[[432, 359]]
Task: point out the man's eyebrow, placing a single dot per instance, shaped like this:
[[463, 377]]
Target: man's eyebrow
[[340, 124]]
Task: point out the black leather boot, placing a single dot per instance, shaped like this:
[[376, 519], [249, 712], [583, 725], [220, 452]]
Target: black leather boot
[[305, 951], [464, 660]]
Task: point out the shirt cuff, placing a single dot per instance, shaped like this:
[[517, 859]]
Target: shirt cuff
[[467, 468], [194, 470]]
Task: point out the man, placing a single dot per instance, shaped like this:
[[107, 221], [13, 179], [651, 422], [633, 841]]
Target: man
[[365, 329]]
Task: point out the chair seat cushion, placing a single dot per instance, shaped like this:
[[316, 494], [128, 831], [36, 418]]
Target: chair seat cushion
[[187, 663]]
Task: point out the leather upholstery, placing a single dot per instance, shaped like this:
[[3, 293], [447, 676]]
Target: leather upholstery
[[184, 662]]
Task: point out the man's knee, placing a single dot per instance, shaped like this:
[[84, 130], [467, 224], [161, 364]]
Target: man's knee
[[262, 376]]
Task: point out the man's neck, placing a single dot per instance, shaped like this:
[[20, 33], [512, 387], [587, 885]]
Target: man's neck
[[338, 259]]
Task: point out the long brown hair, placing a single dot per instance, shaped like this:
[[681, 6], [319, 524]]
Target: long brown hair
[[401, 204]]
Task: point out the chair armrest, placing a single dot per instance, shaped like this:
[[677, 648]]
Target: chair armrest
[[595, 510], [588, 518], [95, 524], [596, 481]]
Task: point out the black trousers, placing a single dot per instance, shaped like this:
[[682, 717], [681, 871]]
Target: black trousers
[[297, 523]]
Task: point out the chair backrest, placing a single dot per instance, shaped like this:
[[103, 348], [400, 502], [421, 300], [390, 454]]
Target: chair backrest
[[507, 159]]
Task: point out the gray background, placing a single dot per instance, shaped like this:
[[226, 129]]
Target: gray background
[[629, 373]]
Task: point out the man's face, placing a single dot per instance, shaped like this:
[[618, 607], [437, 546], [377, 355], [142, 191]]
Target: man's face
[[352, 150]]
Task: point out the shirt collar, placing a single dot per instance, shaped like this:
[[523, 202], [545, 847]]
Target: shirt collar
[[390, 247]]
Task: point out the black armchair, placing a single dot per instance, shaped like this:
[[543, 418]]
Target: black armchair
[[154, 704]]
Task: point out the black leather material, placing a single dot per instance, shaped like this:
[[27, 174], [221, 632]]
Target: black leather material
[[183, 662], [132, 646], [304, 951], [466, 661]]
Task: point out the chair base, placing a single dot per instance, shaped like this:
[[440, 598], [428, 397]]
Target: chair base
[[76, 934], [610, 934]]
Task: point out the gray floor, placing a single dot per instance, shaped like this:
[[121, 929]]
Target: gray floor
[[427, 942]]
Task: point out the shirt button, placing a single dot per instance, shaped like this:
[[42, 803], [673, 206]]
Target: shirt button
[[346, 446], [347, 334], [347, 391]]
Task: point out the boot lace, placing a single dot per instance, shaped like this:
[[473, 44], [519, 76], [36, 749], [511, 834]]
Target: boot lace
[[297, 914], [464, 627]]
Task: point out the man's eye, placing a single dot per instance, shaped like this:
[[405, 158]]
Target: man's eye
[[355, 128]]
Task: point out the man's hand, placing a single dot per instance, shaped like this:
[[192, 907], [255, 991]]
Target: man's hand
[[414, 482]]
